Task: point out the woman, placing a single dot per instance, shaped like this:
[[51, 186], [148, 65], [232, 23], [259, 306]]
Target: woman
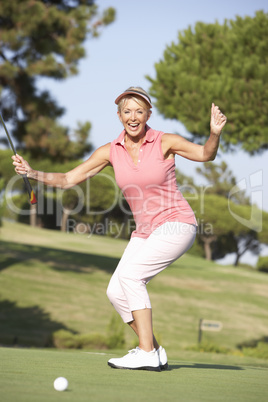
[[143, 161]]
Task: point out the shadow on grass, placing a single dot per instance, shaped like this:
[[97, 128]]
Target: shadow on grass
[[60, 260], [203, 366], [26, 326]]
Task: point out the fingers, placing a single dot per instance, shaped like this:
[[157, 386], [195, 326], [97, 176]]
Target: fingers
[[217, 120], [218, 116], [17, 158], [21, 166]]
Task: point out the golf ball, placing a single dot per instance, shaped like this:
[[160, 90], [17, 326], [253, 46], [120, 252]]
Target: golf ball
[[60, 384]]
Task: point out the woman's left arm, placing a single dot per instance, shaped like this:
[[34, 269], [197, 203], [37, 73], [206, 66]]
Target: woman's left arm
[[175, 144]]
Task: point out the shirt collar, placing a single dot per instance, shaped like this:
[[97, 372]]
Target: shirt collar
[[150, 136]]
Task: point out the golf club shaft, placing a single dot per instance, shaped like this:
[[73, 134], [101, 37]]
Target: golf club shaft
[[7, 133], [24, 176]]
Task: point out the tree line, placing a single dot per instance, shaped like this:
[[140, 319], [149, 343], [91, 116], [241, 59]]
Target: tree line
[[225, 223], [225, 63]]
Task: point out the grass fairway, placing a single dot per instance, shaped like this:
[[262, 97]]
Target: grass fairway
[[27, 375]]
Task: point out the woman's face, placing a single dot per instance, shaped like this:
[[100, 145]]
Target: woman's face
[[134, 118]]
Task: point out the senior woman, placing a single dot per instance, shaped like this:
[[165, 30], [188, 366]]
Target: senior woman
[[143, 162]]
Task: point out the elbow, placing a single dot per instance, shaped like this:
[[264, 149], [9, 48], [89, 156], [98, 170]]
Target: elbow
[[67, 182], [70, 180], [67, 186], [211, 158], [208, 157]]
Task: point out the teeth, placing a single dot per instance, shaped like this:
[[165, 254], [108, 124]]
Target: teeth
[[134, 125]]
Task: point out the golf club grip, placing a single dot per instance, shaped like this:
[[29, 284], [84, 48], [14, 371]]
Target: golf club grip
[[29, 189]]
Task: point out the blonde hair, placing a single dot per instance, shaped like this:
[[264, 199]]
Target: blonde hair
[[142, 102]]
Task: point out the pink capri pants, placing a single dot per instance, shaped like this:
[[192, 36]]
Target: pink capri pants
[[142, 260]]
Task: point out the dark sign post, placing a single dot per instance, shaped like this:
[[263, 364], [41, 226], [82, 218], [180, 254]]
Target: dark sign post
[[208, 325]]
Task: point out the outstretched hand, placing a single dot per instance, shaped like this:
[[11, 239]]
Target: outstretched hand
[[217, 120], [21, 165]]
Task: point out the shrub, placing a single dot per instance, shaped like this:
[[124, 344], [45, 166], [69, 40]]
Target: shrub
[[115, 329], [262, 264], [209, 348], [260, 351], [255, 348], [64, 339], [92, 341]]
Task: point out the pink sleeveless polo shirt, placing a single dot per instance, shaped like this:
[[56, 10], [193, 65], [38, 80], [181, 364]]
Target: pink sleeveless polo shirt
[[150, 187]]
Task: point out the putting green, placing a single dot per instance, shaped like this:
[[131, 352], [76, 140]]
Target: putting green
[[27, 375]]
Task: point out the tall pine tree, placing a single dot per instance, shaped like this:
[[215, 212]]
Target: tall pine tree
[[44, 38], [226, 64]]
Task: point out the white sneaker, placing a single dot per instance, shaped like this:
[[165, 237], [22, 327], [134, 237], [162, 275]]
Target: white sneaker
[[162, 358], [137, 359]]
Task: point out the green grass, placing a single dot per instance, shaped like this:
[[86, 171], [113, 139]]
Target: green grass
[[51, 280], [27, 375]]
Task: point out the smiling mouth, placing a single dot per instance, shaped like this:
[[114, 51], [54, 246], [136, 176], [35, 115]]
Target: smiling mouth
[[133, 125]]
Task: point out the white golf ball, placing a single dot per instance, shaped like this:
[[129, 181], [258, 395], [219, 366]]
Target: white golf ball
[[60, 384]]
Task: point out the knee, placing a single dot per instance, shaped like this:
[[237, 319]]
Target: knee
[[113, 292], [110, 293], [115, 289]]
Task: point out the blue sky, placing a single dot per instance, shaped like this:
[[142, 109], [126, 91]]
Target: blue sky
[[125, 52]]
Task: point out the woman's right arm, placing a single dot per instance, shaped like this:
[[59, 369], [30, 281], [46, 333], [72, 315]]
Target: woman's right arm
[[93, 165]]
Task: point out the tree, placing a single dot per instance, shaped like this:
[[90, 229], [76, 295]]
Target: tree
[[239, 239], [44, 38], [251, 228], [214, 220], [221, 181], [43, 193], [226, 64], [222, 224], [247, 242], [184, 182]]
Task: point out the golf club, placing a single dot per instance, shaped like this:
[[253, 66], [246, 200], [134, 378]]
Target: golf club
[[24, 176]]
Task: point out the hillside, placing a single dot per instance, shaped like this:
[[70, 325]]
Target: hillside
[[51, 280]]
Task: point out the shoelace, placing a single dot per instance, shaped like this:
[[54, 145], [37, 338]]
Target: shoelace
[[134, 351]]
